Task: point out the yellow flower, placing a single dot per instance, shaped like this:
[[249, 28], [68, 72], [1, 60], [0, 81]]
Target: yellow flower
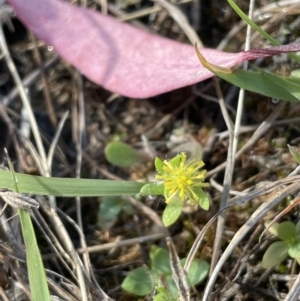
[[181, 179]]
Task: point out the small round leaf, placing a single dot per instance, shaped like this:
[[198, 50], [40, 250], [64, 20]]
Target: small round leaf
[[198, 272], [160, 261], [172, 211], [276, 253], [123, 155], [138, 282], [286, 231], [203, 198]]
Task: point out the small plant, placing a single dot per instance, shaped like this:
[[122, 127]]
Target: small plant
[[179, 181], [289, 245], [158, 279], [110, 209]]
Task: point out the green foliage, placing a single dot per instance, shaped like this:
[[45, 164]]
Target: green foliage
[[262, 82], [160, 261], [123, 155], [68, 187], [109, 210], [172, 212], [275, 254], [286, 231], [36, 271], [203, 198], [289, 245], [162, 295], [153, 189], [143, 281], [138, 282]]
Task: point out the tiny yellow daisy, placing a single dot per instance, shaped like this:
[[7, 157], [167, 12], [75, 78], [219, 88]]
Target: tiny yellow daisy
[[182, 179]]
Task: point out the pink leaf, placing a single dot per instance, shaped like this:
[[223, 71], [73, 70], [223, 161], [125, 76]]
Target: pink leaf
[[118, 56]]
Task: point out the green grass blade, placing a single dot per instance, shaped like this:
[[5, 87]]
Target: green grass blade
[[259, 29], [36, 271], [290, 85], [68, 187], [252, 24], [260, 82]]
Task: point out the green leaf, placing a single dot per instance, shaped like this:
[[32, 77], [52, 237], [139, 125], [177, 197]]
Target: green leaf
[[153, 189], [295, 153], [68, 187], [276, 253], [198, 272], [159, 164], [138, 282], [262, 83], [294, 250], [203, 198], [123, 155], [36, 271], [109, 210], [287, 84], [286, 231], [173, 290], [160, 261], [172, 211]]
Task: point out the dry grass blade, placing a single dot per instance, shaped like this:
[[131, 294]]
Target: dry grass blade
[[294, 291], [25, 100], [182, 21], [227, 178], [178, 273], [56, 138]]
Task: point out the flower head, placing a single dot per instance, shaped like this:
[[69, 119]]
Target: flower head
[[181, 179]]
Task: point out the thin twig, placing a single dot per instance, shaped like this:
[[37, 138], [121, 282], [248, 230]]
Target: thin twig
[[55, 139], [226, 182]]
